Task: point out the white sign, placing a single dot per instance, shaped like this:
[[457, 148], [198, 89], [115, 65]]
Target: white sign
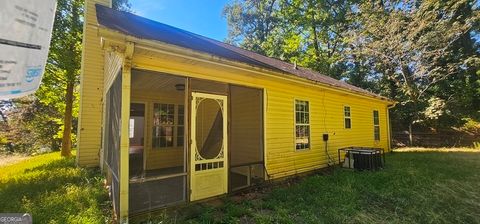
[[25, 33]]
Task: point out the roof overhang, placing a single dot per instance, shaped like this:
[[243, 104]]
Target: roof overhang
[[112, 39], [115, 35]]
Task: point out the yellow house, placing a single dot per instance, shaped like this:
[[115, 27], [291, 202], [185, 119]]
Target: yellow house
[[173, 117]]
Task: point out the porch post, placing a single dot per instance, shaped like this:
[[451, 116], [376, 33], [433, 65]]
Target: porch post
[[124, 140], [389, 129]]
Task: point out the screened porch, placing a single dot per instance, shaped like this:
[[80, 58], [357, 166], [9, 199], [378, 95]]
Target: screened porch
[[164, 167]]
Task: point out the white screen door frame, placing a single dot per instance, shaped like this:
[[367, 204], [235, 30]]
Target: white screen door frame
[[208, 164]]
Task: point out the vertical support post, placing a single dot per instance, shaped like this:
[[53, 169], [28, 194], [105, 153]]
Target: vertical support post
[[187, 141], [124, 140], [264, 134], [104, 129], [389, 129]]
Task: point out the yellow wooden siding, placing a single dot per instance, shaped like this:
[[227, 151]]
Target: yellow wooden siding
[[326, 112], [91, 90], [326, 116]]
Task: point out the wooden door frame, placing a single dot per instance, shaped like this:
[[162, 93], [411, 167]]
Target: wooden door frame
[[192, 148]]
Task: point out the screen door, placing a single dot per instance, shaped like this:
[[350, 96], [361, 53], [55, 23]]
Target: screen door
[[208, 146]]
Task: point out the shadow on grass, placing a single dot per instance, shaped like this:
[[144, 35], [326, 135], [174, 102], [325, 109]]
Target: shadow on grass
[[415, 187], [57, 192]]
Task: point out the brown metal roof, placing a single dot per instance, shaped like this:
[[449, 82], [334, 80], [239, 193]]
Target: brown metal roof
[[143, 28]]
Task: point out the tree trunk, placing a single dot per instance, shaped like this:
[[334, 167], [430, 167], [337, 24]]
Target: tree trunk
[[314, 32], [410, 134], [315, 42], [67, 122]]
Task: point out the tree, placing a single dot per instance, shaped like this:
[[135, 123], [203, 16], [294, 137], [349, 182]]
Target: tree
[[65, 57], [309, 33], [320, 24], [122, 5], [47, 119], [40, 115], [29, 127], [423, 54], [252, 23], [415, 46], [64, 61]]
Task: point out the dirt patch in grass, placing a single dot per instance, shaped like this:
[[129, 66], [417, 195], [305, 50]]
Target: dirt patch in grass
[[6, 159]]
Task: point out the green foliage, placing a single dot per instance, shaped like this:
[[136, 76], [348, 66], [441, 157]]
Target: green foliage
[[38, 122], [415, 187], [426, 50], [471, 126], [30, 127], [252, 22], [303, 32], [53, 190], [122, 5], [423, 54]]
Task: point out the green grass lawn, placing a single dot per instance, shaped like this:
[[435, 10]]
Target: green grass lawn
[[53, 190], [415, 187]]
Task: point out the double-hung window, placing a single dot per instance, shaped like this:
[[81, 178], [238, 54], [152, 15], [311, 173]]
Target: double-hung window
[[302, 125], [376, 126], [347, 117], [168, 125]]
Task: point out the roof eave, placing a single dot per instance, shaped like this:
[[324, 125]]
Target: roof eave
[[121, 38]]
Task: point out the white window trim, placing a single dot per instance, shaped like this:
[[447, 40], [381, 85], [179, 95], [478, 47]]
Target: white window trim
[[345, 117], [174, 126], [295, 125], [376, 125], [177, 125]]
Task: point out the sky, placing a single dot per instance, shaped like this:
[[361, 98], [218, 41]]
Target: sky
[[202, 17]]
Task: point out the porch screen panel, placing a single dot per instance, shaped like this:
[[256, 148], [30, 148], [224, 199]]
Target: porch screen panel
[[162, 181], [206, 86], [246, 137], [112, 139], [156, 193]]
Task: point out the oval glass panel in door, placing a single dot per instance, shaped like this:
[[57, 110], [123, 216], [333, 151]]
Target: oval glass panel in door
[[209, 129]]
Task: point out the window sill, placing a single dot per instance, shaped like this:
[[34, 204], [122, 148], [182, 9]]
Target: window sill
[[302, 150]]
